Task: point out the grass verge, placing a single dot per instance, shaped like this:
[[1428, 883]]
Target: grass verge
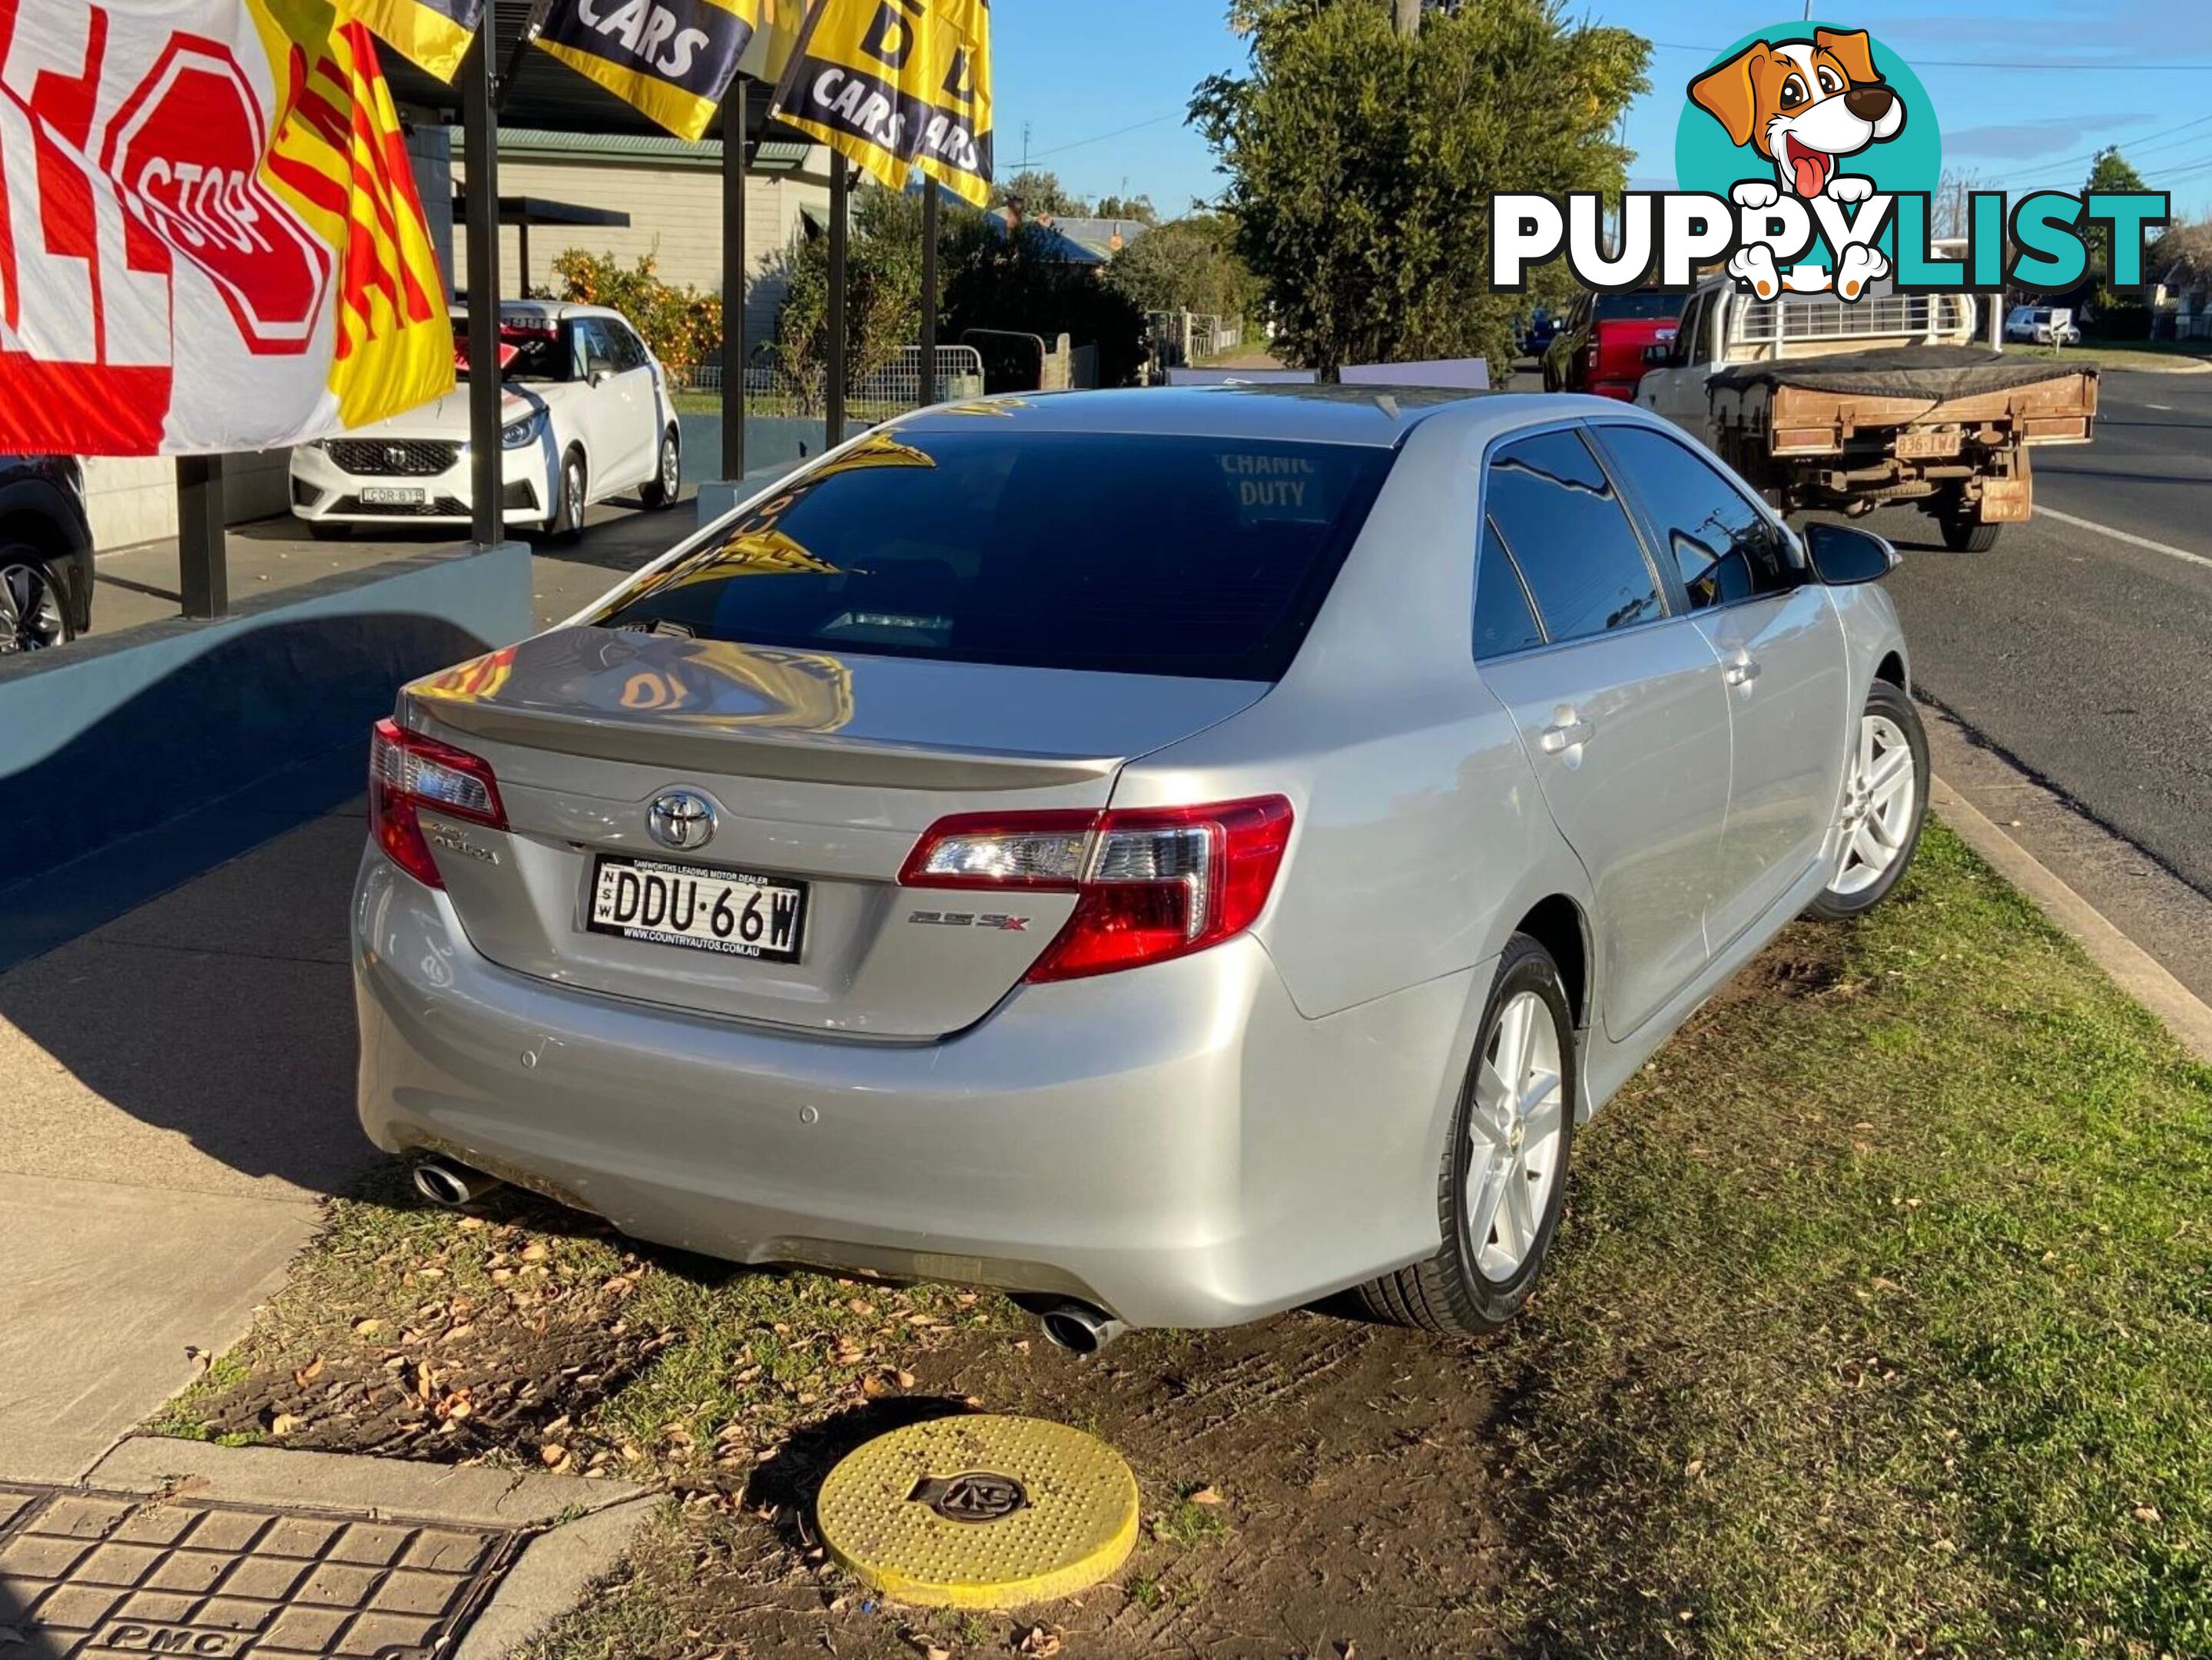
[[1881, 1325], [2184, 357]]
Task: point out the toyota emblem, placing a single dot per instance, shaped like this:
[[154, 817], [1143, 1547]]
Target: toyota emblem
[[682, 819]]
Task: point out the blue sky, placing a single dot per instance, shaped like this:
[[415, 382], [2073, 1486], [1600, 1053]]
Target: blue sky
[[1079, 73]]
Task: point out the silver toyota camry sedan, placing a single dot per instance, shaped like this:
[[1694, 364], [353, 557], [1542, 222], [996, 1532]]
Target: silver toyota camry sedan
[[1171, 854]]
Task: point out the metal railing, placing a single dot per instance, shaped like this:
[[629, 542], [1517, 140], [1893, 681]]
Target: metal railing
[[1822, 317], [774, 385], [1180, 338]]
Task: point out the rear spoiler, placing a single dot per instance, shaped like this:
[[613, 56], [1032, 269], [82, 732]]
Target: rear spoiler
[[726, 744]]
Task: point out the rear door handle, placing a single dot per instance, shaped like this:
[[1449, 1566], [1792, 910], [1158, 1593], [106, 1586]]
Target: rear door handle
[[1563, 735], [1741, 672]]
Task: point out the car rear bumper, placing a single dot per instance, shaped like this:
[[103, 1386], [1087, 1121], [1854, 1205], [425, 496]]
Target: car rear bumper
[[325, 493], [1174, 1143]]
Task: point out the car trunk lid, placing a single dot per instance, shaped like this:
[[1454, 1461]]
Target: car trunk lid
[[821, 772]]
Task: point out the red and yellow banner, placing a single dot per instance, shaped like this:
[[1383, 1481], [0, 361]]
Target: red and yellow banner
[[210, 235]]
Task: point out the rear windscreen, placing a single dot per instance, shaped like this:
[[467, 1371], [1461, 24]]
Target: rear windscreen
[[1640, 307], [1205, 556]]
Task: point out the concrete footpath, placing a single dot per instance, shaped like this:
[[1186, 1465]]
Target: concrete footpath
[[176, 1100]]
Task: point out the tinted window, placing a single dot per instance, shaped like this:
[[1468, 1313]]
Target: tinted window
[[1564, 522], [1642, 305], [1725, 548], [1141, 555], [1502, 621]]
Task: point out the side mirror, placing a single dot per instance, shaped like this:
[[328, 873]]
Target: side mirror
[[600, 371], [1844, 556], [1658, 357]]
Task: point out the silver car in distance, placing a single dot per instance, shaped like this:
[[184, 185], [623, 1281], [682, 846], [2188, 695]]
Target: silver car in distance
[[1171, 854]]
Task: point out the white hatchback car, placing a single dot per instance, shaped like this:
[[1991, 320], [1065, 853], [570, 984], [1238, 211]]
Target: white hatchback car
[[588, 415]]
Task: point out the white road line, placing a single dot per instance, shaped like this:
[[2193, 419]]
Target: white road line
[[2163, 409], [2132, 540]]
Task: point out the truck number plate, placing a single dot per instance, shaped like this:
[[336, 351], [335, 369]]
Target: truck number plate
[[1921, 445]]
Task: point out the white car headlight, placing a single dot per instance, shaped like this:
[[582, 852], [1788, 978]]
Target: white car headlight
[[520, 434]]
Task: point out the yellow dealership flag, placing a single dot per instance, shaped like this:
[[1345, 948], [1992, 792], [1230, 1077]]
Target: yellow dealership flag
[[673, 59], [891, 85], [433, 34]]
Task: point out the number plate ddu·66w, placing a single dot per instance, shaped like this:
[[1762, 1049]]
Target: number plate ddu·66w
[[730, 911]]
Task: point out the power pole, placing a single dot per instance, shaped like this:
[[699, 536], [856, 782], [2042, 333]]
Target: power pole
[[1409, 17]]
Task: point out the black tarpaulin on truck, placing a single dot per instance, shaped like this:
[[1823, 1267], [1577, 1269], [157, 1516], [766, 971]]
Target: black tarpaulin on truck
[[1938, 374]]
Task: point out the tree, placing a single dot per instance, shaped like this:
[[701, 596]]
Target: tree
[[2122, 314], [2182, 258], [1187, 265], [683, 325], [1040, 191], [1361, 163], [1014, 279], [1139, 207], [883, 294]]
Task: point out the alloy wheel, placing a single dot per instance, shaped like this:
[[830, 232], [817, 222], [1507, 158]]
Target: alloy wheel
[[1878, 805], [30, 617], [1514, 1129], [671, 465]]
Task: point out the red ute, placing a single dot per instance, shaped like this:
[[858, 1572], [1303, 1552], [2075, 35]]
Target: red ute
[[1599, 346]]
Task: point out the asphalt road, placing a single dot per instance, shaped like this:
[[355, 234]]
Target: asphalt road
[[2083, 657]]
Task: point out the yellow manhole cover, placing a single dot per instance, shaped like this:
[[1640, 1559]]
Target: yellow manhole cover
[[980, 1512]]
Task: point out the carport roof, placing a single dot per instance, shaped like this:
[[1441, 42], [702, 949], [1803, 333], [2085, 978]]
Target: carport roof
[[546, 92]]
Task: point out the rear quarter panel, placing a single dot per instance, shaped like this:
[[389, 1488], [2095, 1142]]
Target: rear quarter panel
[[1421, 836]]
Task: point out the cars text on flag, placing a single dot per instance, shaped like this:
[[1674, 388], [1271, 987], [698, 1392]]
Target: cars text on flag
[[891, 85]]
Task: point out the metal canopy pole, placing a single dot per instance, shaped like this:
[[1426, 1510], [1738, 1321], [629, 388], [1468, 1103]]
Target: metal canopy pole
[[834, 432], [734, 268], [480, 151], [929, 393], [203, 550]]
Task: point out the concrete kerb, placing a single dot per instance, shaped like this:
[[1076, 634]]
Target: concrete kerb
[[2134, 969], [582, 1527]]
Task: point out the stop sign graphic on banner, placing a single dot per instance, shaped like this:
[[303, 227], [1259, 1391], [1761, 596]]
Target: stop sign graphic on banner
[[187, 144]]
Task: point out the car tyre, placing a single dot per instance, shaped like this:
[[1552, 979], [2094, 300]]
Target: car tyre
[[1504, 1169], [668, 474], [1964, 533], [567, 523], [1880, 830], [34, 611]]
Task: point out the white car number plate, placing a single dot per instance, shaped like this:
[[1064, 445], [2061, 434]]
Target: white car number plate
[[393, 495], [730, 911]]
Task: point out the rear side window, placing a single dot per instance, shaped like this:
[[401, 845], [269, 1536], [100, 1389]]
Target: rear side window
[[1563, 520], [1502, 621], [1725, 548], [1130, 554]]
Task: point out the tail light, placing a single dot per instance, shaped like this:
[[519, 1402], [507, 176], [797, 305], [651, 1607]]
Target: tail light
[[1589, 357], [1149, 883], [407, 771]]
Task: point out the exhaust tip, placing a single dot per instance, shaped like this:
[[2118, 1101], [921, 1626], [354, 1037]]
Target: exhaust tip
[[444, 1183], [1079, 1328]]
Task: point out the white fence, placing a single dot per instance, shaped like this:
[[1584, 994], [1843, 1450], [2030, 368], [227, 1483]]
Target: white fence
[[1180, 338]]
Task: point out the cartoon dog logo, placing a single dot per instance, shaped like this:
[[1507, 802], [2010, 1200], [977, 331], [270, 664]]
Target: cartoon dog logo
[[1803, 106]]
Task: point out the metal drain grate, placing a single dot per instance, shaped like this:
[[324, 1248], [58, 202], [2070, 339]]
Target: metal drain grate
[[91, 1572]]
